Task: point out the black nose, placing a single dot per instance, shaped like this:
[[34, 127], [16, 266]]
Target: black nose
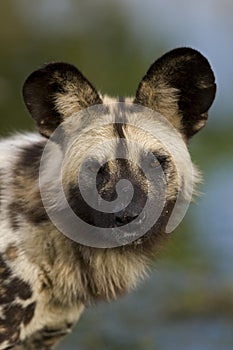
[[124, 218]]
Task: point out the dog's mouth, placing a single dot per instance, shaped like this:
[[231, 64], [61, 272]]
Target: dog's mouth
[[133, 220]]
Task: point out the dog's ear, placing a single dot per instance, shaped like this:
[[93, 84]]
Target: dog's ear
[[181, 86], [55, 92]]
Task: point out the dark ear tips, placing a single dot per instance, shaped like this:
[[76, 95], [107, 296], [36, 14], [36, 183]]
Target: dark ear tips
[[38, 92], [180, 84], [189, 74], [50, 91], [197, 92]]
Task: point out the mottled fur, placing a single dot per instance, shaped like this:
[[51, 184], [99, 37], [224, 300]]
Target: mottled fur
[[46, 279]]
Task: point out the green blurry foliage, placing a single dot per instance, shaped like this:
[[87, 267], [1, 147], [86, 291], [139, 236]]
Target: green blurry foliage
[[96, 39]]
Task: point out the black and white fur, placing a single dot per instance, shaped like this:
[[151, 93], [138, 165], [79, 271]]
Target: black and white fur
[[46, 279]]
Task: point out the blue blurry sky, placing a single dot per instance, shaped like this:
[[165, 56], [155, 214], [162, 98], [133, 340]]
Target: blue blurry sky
[[205, 25]]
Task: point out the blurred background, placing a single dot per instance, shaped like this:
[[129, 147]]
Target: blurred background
[[187, 303]]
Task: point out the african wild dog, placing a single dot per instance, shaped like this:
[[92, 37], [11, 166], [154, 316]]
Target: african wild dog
[[46, 277]]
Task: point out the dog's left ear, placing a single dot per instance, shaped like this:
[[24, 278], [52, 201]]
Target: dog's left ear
[[181, 86], [56, 91]]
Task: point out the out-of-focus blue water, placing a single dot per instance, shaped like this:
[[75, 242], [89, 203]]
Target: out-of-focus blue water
[[139, 322], [213, 218]]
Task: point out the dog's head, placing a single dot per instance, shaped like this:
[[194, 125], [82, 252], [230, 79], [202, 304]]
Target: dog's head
[[119, 158]]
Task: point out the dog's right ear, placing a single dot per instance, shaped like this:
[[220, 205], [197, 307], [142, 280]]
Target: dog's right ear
[[181, 86], [55, 92]]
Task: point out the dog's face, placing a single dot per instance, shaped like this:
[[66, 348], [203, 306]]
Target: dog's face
[[123, 163], [124, 156]]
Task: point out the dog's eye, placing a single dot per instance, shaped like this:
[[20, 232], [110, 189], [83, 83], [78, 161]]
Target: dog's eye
[[158, 160], [92, 165], [155, 163]]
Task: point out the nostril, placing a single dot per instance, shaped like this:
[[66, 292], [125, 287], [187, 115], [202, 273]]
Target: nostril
[[121, 220], [133, 217]]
